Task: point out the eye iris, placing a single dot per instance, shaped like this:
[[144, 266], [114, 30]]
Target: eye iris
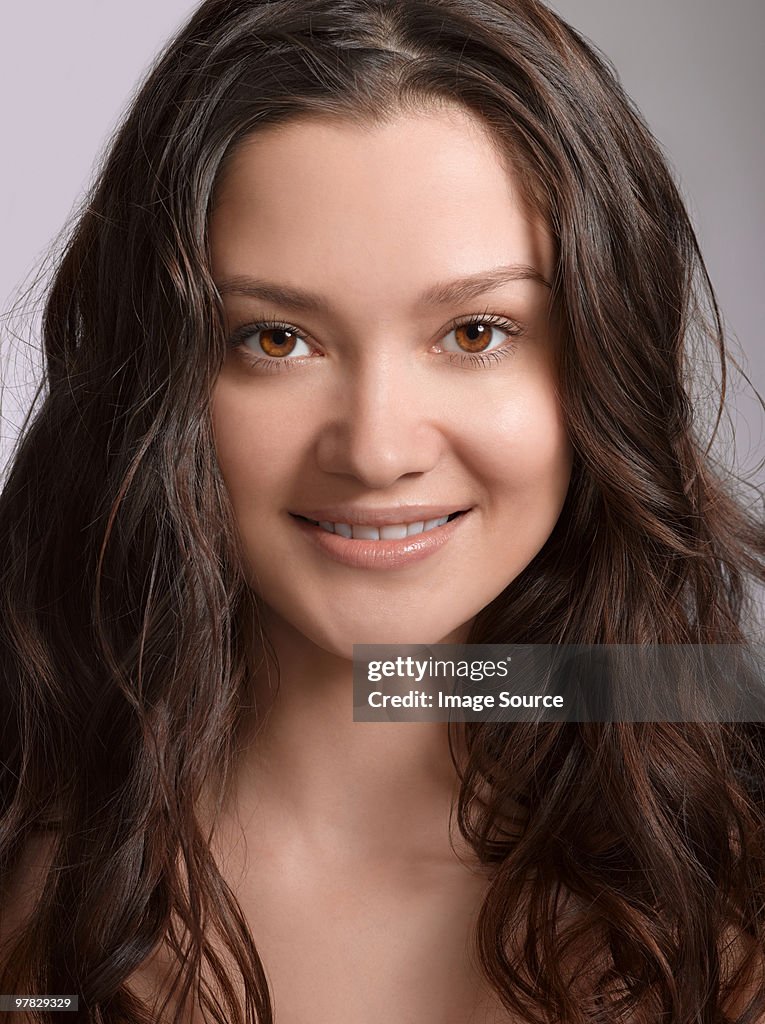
[[275, 341], [473, 337]]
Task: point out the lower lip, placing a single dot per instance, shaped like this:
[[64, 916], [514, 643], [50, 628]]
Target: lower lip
[[380, 554]]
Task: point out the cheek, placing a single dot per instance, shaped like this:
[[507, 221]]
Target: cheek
[[519, 446], [256, 444], [513, 444]]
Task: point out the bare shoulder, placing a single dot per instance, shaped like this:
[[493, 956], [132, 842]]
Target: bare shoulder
[[738, 947], [20, 891], [22, 888]]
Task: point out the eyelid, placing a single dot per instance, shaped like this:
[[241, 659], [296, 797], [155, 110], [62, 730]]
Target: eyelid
[[504, 323], [264, 322]]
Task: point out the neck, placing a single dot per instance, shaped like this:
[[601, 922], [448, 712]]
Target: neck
[[306, 769]]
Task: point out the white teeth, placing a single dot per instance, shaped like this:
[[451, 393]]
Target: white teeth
[[396, 531], [430, 523], [365, 533], [393, 532]]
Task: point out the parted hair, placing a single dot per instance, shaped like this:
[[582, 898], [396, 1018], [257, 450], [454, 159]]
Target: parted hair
[[125, 619]]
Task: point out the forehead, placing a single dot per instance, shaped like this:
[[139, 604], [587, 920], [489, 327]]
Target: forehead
[[377, 212]]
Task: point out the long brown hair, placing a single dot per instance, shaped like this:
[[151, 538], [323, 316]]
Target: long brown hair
[[123, 624]]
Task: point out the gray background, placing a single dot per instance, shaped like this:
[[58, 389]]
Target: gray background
[[693, 67]]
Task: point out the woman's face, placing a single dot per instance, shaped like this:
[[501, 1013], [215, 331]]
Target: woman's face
[[368, 407]]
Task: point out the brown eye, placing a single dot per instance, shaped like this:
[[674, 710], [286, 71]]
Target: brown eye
[[473, 337], [276, 341], [479, 337]]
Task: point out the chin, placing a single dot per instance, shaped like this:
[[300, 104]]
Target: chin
[[341, 643]]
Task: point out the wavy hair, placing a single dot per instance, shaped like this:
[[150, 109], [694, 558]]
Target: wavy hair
[[125, 619]]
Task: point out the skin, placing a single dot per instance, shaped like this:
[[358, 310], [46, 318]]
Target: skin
[[336, 841], [384, 416], [375, 411]]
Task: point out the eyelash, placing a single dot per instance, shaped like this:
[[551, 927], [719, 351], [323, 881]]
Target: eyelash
[[467, 359]]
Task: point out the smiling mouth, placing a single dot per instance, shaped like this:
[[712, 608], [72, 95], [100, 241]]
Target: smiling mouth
[[396, 531]]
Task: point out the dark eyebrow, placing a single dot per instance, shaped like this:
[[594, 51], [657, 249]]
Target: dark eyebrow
[[447, 293]]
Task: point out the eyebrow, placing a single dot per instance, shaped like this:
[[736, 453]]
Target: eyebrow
[[445, 293]]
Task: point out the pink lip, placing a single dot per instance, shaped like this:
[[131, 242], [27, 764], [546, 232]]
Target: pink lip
[[379, 554]]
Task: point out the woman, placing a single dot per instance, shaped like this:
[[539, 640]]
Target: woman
[[351, 268]]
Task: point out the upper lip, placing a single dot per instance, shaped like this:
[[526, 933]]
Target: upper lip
[[380, 516]]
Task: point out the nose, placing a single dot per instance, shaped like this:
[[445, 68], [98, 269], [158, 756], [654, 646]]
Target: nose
[[385, 425]]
